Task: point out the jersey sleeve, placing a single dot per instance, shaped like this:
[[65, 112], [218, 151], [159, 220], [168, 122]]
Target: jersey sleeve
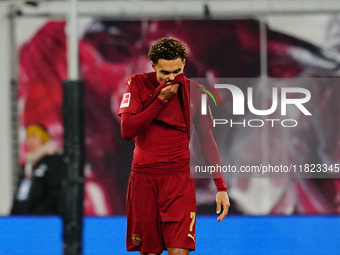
[[209, 149], [202, 121], [131, 100], [206, 121]]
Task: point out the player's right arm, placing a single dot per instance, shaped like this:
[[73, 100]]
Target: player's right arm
[[132, 124], [133, 119]]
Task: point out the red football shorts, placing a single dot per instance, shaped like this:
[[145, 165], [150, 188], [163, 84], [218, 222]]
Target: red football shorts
[[161, 212]]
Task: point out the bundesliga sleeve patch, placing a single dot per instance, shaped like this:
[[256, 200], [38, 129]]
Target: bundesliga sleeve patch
[[126, 100]]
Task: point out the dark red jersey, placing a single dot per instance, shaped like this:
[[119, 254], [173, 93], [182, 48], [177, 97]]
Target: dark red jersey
[[164, 144], [161, 130]]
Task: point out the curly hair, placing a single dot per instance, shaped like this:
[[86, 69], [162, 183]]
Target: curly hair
[[167, 48]]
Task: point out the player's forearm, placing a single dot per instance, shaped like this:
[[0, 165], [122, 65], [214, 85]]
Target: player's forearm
[[211, 154], [133, 124]]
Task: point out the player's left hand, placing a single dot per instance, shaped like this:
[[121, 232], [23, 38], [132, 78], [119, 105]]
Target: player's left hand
[[222, 200]]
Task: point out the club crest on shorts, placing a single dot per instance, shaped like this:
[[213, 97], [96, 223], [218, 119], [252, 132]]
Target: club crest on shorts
[[136, 239], [126, 100]]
